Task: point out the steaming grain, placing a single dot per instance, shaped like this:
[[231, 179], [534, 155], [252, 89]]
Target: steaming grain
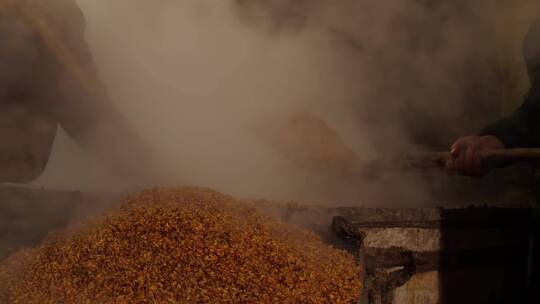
[[181, 245], [309, 141]]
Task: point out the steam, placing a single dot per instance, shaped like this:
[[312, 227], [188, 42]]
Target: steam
[[200, 78]]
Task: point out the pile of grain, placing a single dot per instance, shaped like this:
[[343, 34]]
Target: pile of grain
[[183, 245]]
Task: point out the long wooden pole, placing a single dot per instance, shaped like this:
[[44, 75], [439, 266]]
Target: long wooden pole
[[489, 157]]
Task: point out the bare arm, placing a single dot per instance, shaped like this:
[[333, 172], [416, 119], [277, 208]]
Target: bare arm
[[86, 111]]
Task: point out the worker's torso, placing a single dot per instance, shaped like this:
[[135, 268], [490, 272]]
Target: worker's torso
[[531, 51], [27, 89], [27, 131]]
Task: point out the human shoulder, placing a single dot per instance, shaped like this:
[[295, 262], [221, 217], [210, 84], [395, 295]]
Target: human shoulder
[[62, 16], [531, 46]]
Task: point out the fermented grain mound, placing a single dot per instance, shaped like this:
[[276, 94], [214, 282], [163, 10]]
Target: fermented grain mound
[[182, 245], [13, 270]]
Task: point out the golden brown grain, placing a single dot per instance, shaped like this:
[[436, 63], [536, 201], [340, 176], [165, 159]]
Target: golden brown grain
[[182, 245]]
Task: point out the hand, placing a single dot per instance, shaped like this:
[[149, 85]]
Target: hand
[[465, 158]]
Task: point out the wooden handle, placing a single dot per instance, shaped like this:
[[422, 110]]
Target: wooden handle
[[489, 157], [510, 155]]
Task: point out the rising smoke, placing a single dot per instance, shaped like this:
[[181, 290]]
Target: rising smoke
[[200, 78]]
